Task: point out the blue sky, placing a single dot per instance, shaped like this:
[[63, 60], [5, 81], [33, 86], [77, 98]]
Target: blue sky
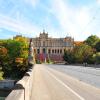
[[60, 18]]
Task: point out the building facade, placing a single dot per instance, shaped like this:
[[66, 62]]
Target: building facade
[[51, 48]]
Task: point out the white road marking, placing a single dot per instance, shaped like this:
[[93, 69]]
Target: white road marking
[[75, 93]]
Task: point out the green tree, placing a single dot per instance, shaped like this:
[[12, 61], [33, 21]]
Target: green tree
[[13, 57], [24, 46], [97, 46], [97, 58], [1, 75], [68, 56], [83, 53], [14, 48], [92, 40]]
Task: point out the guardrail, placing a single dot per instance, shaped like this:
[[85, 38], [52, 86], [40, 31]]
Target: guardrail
[[23, 88]]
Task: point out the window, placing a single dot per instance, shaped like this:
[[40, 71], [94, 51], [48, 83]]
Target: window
[[49, 51], [44, 51], [38, 51], [60, 51], [52, 51]]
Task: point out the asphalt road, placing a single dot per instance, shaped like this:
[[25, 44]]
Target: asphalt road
[[52, 82], [89, 75]]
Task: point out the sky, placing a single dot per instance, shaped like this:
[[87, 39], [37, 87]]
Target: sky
[[60, 18]]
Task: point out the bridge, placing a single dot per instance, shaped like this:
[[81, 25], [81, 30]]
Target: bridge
[[57, 82]]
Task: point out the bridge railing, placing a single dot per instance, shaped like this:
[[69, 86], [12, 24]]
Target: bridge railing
[[23, 88]]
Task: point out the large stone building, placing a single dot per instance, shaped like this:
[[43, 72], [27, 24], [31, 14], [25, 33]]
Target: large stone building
[[51, 48]]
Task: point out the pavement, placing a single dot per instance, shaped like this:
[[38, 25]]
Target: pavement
[[51, 83]]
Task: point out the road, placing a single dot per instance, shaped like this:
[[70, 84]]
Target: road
[[89, 75], [52, 83]]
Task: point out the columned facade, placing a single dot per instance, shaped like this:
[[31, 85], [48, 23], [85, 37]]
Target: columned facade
[[51, 48]]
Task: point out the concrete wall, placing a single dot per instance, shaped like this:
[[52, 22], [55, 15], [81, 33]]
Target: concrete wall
[[23, 88]]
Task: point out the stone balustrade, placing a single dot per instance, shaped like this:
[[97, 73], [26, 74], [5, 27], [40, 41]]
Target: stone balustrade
[[23, 88]]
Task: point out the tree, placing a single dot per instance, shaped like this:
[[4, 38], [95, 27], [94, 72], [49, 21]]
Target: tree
[[13, 57], [24, 46], [97, 46], [92, 40], [14, 48], [4, 60], [1, 75], [83, 53], [97, 58], [68, 56]]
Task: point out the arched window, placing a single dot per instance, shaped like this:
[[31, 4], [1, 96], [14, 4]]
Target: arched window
[[58, 50], [52, 51]]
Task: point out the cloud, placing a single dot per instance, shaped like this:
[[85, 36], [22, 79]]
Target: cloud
[[73, 20], [59, 9], [31, 2], [58, 17], [17, 26], [98, 1]]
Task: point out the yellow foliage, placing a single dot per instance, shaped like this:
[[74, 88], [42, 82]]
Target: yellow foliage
[[19, 60], [21, 39]]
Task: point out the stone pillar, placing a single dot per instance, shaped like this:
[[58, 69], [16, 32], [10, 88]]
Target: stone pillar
[[41, 50]]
